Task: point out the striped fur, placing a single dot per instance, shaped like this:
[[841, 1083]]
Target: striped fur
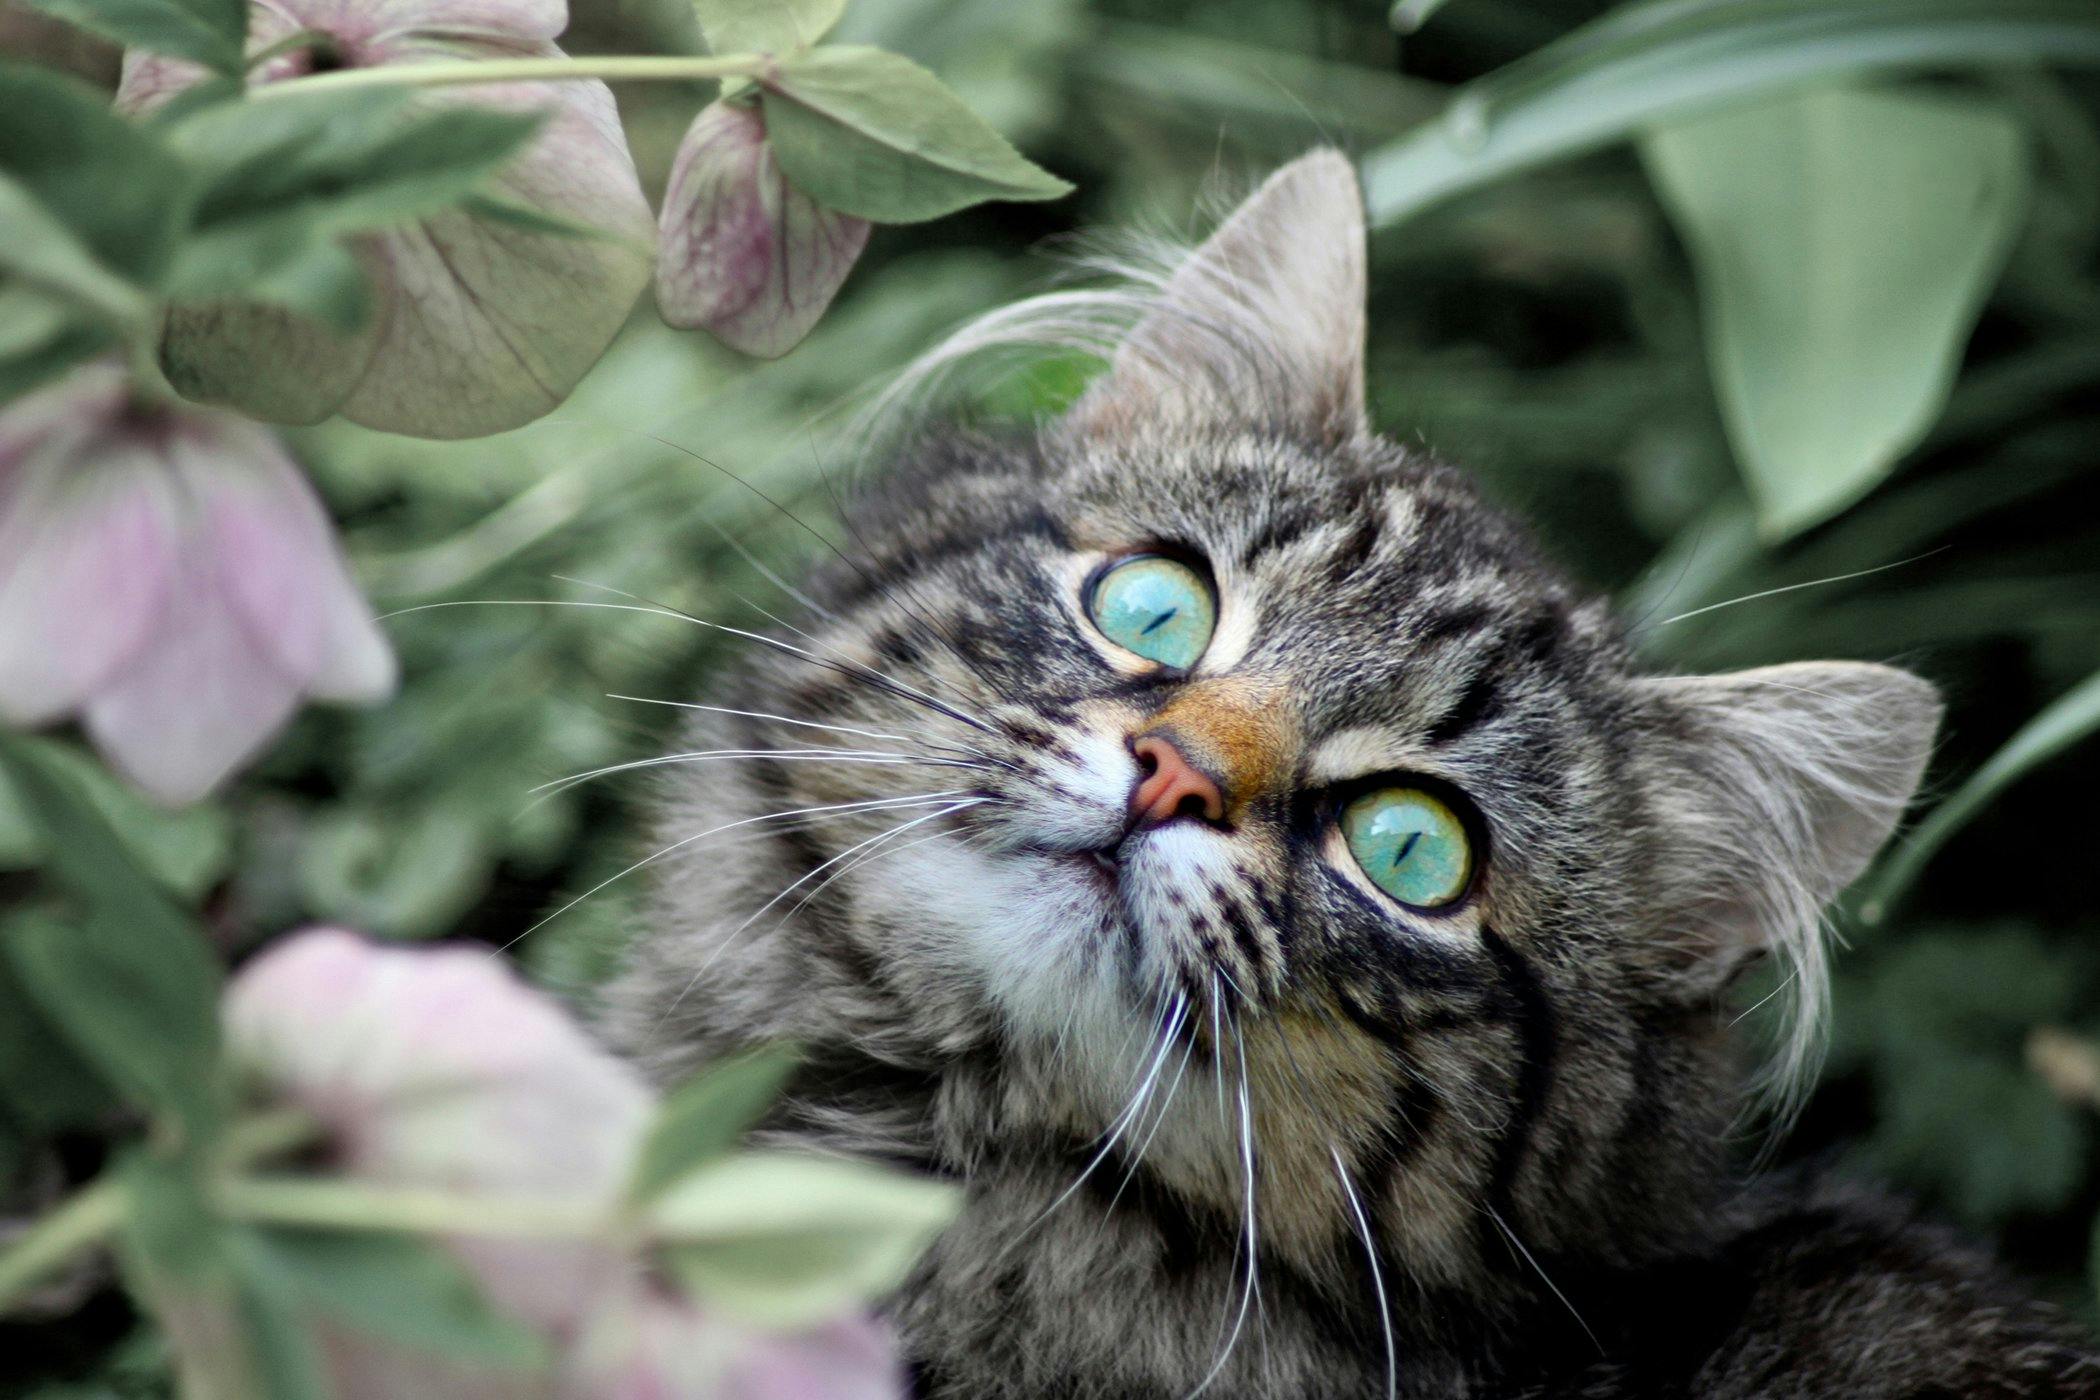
[[1230, 1121]]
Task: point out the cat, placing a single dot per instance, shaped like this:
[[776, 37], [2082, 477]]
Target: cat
[[1212, 835]]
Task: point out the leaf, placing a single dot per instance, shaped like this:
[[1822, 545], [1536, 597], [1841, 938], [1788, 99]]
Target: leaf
[[876, 136], [44, 1084], [1845, 242], [397, 1288], [788, 1241], [124, 195], [41, 339], [1646, 63], [131, 984], [766, 26], [2070, 719], [354, 161], [185, 851], [210, 32], [708, 1115], [45, 253]]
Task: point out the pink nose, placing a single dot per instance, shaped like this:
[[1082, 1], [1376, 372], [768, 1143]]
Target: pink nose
[[1172, 786]]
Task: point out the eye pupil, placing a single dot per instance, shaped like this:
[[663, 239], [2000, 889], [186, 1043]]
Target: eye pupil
[[1157, 607], [1411, 844]]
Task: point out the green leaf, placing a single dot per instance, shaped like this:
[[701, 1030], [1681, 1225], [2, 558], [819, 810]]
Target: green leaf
[[2071, 718], [394, 874], [44, 1084], [788, 1241], [874, 135], [766, 26], [131, 984], [351, 161], [44, 252], [1845, 242], [185, 851], [124, 195], [128, 1012], [397, 1288], [41, 338], [1647, 63], [210, 32], [708, 1115]]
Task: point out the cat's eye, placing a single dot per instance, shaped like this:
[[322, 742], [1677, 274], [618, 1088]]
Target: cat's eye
[[1158, 607], [1411, 845]]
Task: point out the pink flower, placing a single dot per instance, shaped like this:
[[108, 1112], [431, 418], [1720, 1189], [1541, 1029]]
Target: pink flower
[[650, 1345], [742, 253], [439, 1068], [481, 324], [169, 577]]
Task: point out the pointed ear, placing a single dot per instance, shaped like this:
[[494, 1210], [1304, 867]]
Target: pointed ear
[[1773, 788], [1263, 324]]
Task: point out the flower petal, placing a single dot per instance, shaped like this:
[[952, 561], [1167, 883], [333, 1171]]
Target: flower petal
[[268, 362], [367, 19], [88, 531], [438, 1067], [646, 1344], [198, 699], [270, 540], [743, 254], [490, 324]]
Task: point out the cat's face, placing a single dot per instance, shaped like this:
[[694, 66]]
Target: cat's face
[[1245, 790]]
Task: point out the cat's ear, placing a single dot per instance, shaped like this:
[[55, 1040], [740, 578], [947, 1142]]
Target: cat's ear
[[1772, 789], [1263, 323]]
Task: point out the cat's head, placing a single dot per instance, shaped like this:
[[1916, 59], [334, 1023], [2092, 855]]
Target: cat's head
[[1244, 786]]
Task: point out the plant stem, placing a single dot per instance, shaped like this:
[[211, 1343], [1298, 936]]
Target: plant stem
[[616, 67], [85, 1219], [342, 1205]]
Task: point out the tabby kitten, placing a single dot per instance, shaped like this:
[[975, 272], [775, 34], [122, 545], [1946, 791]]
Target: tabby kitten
[[1211, 834]]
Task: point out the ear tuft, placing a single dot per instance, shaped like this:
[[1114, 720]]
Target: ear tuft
[[1263, 323], [1773, 789]]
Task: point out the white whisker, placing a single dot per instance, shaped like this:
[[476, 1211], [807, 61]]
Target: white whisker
[[918, 800], [803, 879], [1518, 1245], [799, 723], [1385, 1312]]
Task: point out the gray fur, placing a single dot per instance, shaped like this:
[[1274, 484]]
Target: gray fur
[[1486, 1148]]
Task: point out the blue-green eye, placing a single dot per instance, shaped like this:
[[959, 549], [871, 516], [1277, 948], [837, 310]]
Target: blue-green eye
[[1412, 845], [1158, 607]]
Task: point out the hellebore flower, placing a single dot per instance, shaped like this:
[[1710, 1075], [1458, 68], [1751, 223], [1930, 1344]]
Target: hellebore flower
[[480, 324], [168, 576], [742, 253], [439, 1068], [647, 1344]]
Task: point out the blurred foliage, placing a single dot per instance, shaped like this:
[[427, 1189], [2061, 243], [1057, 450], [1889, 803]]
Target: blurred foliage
[[1545, 331]]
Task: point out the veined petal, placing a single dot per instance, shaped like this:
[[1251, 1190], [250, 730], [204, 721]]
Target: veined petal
[[438, 1067], [198, 698], [88, 537], [364, 19], [268, 362], [276, 557], [743, 254], [490, 324]]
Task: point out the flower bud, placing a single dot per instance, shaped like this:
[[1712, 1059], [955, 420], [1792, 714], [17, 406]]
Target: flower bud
[[646, 1344], [168, 576], [479, 324], [437, 1067], [743, 254]]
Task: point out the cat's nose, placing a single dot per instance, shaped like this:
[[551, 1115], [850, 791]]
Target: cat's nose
[[1172, 786]]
